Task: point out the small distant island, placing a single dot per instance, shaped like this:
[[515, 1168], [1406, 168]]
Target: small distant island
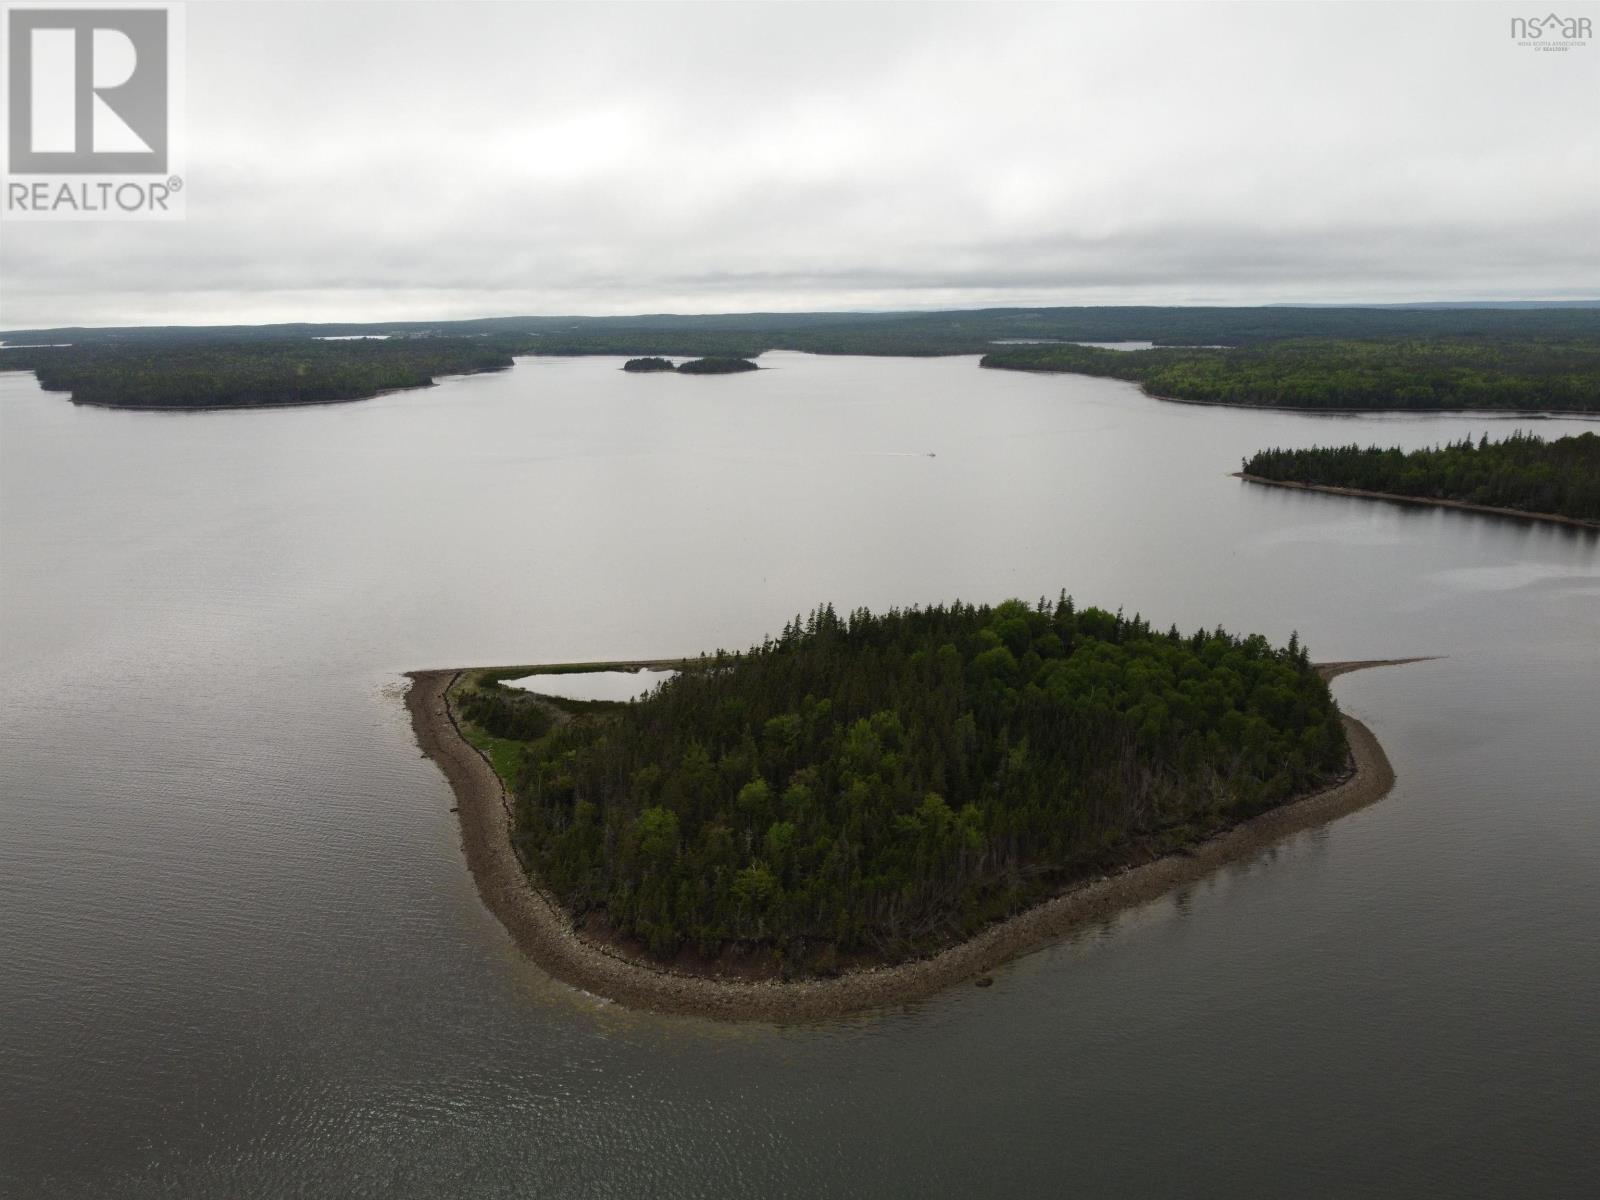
[[872, 807], [717, 366], [1522, 475], [698, 366]]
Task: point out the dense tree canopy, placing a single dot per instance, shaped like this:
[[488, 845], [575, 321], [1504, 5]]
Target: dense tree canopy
[[250, 373], [717, 366], [1449, 373], [712, 365], [1522, 471], [878, 786]]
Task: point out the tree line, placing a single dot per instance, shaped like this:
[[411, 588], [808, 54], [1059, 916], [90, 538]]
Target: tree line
[[251, 373], [1449, 373], [877, 786], [969, 331], [1522, 471], [1306, 358]]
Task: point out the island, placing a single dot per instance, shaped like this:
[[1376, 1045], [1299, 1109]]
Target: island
[[698, 366], [255, 373], [717, 366], [1522, 475], [866, 809], [1332, 374]]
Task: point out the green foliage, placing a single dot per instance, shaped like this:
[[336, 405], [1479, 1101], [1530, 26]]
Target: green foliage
[[251, 373], [502, 712], [717, 366], [712, 365], [1450, 373], [979, 331], [1522, 471], [881, 785]]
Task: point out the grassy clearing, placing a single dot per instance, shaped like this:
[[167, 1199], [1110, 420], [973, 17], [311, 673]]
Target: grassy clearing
[[505, 754]]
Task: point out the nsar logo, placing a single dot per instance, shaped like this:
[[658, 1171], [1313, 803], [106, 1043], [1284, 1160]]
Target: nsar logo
[[1551, 32]]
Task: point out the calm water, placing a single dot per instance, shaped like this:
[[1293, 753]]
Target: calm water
[[594, 685], [240, 956]]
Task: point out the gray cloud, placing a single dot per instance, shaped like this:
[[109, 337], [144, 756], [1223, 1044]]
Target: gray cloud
[[351, 161]]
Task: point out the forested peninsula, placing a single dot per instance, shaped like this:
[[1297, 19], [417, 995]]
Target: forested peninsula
[[1523, 473], [1560, 375], [878, 793]]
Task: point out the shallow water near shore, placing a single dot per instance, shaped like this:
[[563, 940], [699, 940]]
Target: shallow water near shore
[[240, 954]]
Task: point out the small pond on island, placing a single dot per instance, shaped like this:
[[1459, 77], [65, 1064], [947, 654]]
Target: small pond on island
[[593, 685]]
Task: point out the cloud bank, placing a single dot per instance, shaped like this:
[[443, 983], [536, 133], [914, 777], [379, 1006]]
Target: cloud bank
[[372, 161]]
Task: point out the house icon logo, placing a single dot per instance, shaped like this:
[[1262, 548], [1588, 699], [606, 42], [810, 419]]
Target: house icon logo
[[1552, 31]]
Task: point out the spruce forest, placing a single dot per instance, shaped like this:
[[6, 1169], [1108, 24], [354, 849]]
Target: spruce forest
[[874, 787], [1523, 471], [1555, 374]]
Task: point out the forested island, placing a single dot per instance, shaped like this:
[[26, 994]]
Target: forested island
[[248, 374], [1327, 373], [717, 366], [873, 788], [1523, 472], [713, 365]]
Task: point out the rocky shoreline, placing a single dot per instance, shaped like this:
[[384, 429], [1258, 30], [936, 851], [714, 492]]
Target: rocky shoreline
[[1430, 501]]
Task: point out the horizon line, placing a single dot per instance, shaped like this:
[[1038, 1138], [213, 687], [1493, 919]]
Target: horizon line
[[1586, 302]]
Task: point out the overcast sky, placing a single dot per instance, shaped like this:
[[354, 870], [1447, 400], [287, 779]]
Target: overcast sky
[[356, 161]]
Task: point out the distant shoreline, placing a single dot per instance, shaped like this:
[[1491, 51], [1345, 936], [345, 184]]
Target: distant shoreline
[[1532, 414], [535, 353], [1334, 490], [544, 931]]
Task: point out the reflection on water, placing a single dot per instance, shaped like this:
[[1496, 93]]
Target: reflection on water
[[1509, 577], [239, 954]]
